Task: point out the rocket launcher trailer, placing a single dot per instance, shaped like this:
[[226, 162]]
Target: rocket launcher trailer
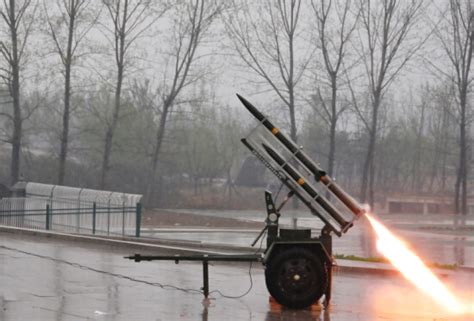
[[298, 265]]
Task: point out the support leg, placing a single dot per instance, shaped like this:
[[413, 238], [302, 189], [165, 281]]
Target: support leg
[[205, 275], [327, 296], [326, 239]]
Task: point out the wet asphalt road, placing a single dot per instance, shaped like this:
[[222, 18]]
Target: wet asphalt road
[[92, 282]]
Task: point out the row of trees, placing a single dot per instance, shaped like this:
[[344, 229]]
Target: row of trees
[[140, 88]]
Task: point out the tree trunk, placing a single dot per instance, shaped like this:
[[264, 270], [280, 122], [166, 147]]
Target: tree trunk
[[65, 131], [15, 92], [67, 99], [457, 188], [16, 137], [120, 32], [367, 167], [443, 167], [332, 130], [439, 155], [434, 168], [372, 179], [445, 146], [416, 185], [293, 135], [461, 180], [156, 151], [109, 135], [367, 171], [291, 108]]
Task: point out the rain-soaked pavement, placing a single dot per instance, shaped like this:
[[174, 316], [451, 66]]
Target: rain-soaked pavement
[[74, 281]]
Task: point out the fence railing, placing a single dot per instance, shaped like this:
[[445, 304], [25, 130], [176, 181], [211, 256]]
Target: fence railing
[[71, 216]]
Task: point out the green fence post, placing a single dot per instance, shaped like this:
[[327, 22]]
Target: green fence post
[[48, 214], [108, 218], [123, 219], [138, 215], [94, 214]]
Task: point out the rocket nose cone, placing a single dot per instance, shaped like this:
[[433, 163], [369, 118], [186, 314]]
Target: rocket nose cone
[[248, 105], [242, 99], [251, 108], [266, 147], [269, 150]]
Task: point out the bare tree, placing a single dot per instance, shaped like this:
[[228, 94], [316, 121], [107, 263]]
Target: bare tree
[[18, 20], [385, 50], [67, 30], [192, 21], [333, 45], [441, 129], [265, 38], [456, 36], [130, 19], [419, 120]]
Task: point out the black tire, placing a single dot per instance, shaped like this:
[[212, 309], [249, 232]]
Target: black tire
[[296, 277]]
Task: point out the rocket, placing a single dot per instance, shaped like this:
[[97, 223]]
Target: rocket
[[319, 174]]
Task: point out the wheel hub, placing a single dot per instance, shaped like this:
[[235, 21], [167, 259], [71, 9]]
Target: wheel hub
[[296, 276]]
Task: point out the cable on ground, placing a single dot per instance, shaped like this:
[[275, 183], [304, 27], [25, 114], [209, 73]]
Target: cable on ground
[[250, 277]]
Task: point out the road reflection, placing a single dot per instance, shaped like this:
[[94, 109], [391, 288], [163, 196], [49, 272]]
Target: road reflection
[[292, 315], [205, 313], [316, 312]]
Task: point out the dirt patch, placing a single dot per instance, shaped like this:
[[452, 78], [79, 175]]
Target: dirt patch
[[161, 218]]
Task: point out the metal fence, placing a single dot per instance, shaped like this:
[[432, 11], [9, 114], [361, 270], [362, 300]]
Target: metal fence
[[73, 210], [81, 195]]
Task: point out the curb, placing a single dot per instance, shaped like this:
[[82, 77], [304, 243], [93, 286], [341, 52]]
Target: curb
[[465, 268], [383, 269], [347, 266]]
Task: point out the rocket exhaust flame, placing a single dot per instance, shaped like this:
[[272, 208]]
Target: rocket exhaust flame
[[413, 268]]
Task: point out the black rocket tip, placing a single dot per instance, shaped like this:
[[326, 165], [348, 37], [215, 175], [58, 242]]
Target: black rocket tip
[[269, 150], [243, 100], [251, 108], [272, 154]]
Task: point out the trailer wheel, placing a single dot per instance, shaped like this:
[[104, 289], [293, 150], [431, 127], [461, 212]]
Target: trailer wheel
[[296, 277]]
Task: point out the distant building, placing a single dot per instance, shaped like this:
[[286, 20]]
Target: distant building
[[423, 204]]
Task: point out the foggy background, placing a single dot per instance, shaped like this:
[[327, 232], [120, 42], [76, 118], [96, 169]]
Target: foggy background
[[139, 96]]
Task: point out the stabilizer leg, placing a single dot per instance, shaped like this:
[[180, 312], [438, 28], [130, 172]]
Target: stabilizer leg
[[326, 240]]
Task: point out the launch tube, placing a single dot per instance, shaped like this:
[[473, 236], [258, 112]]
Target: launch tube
[[319, 174], [296, 176]]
